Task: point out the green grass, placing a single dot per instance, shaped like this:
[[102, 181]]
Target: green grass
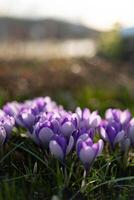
[[26, 172], [95, 98]]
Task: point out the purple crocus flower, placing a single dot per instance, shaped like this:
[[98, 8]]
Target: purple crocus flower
[[83, 134], [50, 105], [112, 133], [68, 124], [87, 151], [37, 105], [12, 108], [40, 102], [8, 123], [88, 124], [117, 115], [88, 119], [6, 126], [50, 124], [60, 146], [27, 119], [43, 131], [122, 118]]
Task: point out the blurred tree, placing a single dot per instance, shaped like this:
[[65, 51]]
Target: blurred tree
[[110, 44]]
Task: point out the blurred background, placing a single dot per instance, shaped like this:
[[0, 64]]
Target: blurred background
[[79, 52]]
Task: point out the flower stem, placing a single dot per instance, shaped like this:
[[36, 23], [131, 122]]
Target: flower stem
[[83, 184]]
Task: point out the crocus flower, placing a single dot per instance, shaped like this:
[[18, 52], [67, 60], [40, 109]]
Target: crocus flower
[[6, 126], [112, 133], [117, 115], [40, 102], [43, 131], [122, 118], [83, 134], [37, 105], [59, 146], [68, 124], [88, 119], [8, 123], [50, 105], [87, 151], [27, 119], [12, 108]]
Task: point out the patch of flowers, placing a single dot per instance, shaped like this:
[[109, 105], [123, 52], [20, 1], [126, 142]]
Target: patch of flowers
[[62, 132]]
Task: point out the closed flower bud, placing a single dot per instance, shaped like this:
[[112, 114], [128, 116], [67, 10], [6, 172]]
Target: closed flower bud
[[87, 151], [112, 133]]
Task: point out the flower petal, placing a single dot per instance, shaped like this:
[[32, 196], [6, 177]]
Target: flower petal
[[70, 145], [101, 145], [45, 135], [67, 128], [119, 137], [94, 120], [104, 134], [87, 155], [2, 136], [56, 150]]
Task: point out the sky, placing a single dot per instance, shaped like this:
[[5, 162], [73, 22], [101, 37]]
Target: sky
[[99, 14]]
